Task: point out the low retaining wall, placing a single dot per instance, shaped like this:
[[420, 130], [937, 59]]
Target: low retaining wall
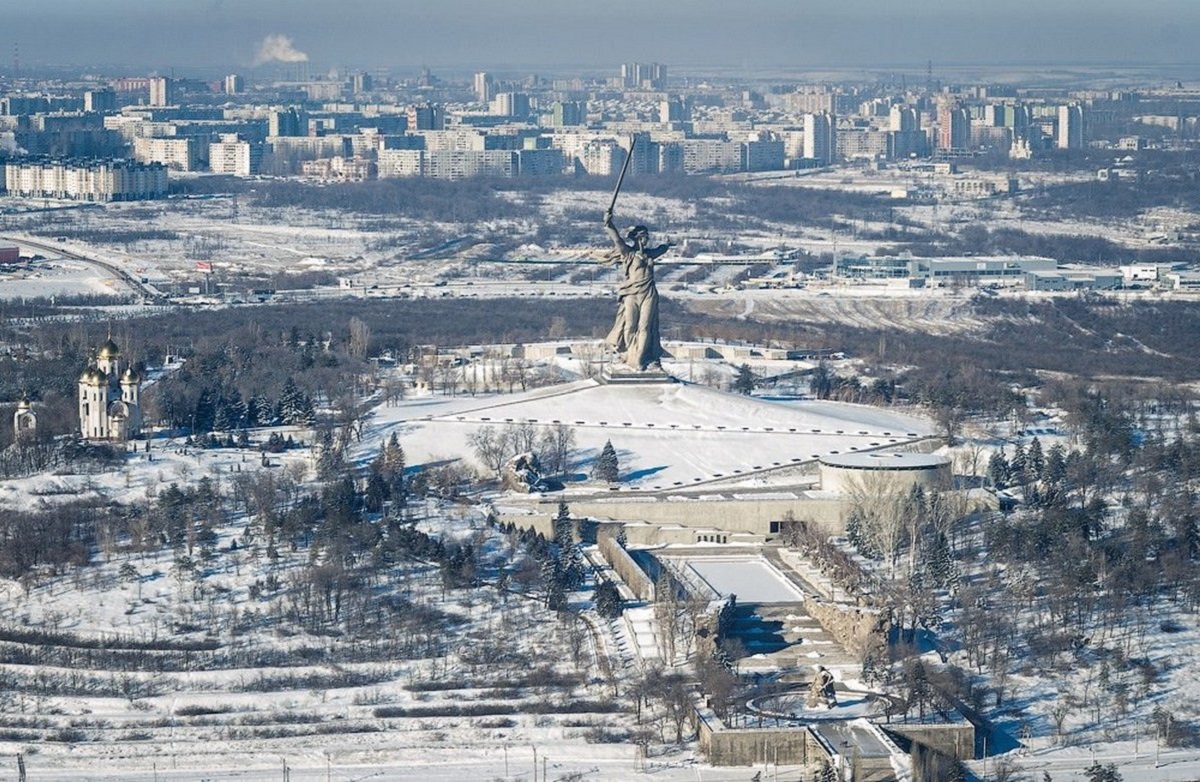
[[722, 746], [623, 565], [956, 741]]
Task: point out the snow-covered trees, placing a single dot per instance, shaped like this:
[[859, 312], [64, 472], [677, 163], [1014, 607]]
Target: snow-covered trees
[[570, 571], [743, 382], [606, 467], [385, 478], [608, 600], [295, 407]]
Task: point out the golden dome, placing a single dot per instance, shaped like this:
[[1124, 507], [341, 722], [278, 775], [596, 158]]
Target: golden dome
[[130, 376], [109, 349]]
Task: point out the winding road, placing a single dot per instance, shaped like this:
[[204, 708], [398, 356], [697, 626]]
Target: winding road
[[134, 283]]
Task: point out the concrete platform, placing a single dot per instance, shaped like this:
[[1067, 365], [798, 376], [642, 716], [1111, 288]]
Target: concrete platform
[[633, 377]]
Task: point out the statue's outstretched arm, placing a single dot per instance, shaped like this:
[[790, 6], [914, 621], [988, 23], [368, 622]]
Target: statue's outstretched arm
[[661, 250]]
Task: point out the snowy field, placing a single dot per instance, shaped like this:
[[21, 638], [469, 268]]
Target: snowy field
[[58, 278], [667, 436]]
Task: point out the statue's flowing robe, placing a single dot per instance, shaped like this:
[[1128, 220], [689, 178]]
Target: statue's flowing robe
[[635, 332]]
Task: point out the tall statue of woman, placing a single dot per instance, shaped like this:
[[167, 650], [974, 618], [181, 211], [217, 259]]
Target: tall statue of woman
[[634, 335]]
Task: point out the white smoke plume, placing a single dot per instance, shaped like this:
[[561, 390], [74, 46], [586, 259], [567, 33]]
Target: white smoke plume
[[8, 143], [278, 48]]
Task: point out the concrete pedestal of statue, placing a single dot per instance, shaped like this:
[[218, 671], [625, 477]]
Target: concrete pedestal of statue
[[619, 374]]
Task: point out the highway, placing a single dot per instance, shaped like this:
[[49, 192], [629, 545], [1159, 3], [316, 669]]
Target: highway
[[54, 248]]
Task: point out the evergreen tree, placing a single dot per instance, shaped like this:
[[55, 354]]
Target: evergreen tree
[[606, 467], [942, 572], [574, 571], [821, 381], [377, 493], [1035, 460], [608, 600], [1056, 465], [859, 538], [998, 469], [1018, 467], [291, 408], [1099, 773], [389, 466], [221, 419], [254, 410], [564, 528], [393, 457], [552, 577], [330, 459], [205, 409], [571, 570], [744, 382]]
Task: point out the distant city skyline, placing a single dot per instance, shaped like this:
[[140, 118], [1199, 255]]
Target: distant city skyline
[[542, 33]]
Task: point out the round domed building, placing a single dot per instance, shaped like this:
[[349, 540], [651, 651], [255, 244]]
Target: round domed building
[[846, 473], [109, 402]]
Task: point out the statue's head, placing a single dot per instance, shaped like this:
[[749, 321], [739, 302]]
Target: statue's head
[[639, 235]]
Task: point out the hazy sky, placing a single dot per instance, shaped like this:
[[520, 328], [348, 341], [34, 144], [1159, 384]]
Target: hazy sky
[[496, 33]]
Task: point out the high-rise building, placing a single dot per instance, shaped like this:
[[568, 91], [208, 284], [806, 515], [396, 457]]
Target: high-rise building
[[100, 100], [954, 127], [85, 180], [234, 84], [232, 155], [162, 91], [569, 113], [903, 119], [179, 153], [809, 100], [426, 116], [361, 83], [510, 104], [288, 122], [674, 110], [1069, 134], [820, 138], [482, 83], [644, 75]]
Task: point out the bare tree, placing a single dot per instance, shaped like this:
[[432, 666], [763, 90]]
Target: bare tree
[[393, 391], [448, 377], [360, 338], [587, 355], [556, 444], [491, 447], [880, 502], [522, 437], [350, 413]]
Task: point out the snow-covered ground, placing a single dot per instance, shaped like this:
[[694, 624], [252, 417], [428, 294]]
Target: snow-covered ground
[[751, 578], [666, 435]]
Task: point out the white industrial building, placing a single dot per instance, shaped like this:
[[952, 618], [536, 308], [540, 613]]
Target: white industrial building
[[941, 271], [1074, 280]]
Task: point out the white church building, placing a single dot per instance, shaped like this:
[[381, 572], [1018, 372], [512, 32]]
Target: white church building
[[109, 402]]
